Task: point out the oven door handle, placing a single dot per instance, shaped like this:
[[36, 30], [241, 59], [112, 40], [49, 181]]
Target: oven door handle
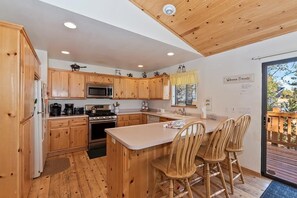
[[101, 121]]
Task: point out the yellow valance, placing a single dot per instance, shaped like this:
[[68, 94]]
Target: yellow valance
[[184, 78]]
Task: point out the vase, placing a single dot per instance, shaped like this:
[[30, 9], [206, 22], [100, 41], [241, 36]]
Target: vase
[[116, 110]]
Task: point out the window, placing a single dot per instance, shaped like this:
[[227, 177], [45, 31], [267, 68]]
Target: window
[[184, 95]]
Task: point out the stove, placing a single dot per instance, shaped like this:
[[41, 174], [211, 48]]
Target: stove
[[100, 112], [100, 118]]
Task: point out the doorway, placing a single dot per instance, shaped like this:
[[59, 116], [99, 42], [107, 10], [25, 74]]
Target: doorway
[[279, 113]]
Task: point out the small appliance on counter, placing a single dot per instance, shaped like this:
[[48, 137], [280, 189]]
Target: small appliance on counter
[[68, 109], [55, 109], [144, 106], [78, 110]]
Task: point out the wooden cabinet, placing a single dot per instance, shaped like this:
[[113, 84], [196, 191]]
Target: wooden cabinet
[[163, 119], [76, 85], [58, 85], [143, 89], [131, 88], [18, 60], [59, 139], [156, 88], [26, 156], [99, 79], [63, 84], [67, 134], [119, 85], [129, 119]]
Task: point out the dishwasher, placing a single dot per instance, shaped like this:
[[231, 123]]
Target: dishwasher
[[152, 119]]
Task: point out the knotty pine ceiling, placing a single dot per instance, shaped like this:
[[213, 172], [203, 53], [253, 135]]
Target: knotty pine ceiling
[[214, 26]]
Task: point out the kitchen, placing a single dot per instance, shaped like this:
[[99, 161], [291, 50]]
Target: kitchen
[[229, 100]]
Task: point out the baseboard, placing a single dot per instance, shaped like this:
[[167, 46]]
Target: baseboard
[[246, 170], [55, 153]]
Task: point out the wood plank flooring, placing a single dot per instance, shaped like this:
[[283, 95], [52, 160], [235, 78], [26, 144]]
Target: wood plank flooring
[[87, 178], [282, 162]]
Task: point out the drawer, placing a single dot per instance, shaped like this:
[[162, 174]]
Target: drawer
[[123, 117], [78, 121], [134, 122], [135, 117], [58, 123]]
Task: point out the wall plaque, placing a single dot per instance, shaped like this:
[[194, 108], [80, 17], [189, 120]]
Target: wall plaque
[[242, 78]]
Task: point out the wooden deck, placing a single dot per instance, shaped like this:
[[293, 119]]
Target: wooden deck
[[282, 163], [87, 178]]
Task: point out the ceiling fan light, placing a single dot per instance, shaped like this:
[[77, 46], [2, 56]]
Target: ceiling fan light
[[169, 9]]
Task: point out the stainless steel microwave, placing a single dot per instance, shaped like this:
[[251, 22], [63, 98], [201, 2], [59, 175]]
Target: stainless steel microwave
[[99, 90]]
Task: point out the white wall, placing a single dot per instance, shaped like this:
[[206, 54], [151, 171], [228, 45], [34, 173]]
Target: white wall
[[226, 97], [124, 104], [42, 55]]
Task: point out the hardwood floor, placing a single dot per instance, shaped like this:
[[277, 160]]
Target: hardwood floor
[[282, 163], [87, 178]]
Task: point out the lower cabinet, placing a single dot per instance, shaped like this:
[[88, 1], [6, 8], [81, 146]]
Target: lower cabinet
[[67, 134], [129, 119], [163, 119]]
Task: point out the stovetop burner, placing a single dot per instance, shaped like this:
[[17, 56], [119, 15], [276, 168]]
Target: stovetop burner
[[99, 113]]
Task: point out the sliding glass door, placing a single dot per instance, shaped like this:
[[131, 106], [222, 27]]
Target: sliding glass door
[[279, 112]]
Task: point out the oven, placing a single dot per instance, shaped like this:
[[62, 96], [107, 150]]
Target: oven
[[97, 134]]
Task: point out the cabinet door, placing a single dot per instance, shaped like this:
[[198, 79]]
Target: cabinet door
[[59, 139], [58, 84], [97, 79], [26, 156], [159, 88], [131, 88], [152, 85], [143, 89], [144, 119], [78, 136], [166, 88], [119, 85], [27, 80], [76, 85]]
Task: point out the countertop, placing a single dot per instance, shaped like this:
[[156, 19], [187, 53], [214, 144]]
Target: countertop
[[139, 137], [155, 113], [65, 116]]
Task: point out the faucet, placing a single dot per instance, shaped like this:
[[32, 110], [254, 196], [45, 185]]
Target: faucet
[[182, 111]]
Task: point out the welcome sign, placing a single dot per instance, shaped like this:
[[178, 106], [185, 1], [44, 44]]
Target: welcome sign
[[242, 78]]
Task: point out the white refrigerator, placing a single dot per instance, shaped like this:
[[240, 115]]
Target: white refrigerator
[[40, 131]]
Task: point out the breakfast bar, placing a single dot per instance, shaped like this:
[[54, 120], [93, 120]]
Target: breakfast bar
[[130, 151]]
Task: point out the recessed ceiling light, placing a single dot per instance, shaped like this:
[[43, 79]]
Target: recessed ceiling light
[[70, 25], [65, 52], [140, 65], [170, 54], [169, 9]]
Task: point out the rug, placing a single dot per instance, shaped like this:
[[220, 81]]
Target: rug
[[96, 152], [55, 165], [279, 190]]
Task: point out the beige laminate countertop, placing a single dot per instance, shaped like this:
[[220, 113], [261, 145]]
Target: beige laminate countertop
[[159, 114], [65, 117], [139, 137]]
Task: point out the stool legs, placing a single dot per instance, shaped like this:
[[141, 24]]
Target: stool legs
[[207, 180], [189, 188], [230, 172], [223, 179], [239, 167], [171, 188]]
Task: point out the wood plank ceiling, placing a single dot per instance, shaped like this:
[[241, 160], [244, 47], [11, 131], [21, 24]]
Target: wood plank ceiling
[[214, 26]]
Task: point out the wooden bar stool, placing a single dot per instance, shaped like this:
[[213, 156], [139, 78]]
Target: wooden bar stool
[[180, 163], [213, 153], [236, 145]]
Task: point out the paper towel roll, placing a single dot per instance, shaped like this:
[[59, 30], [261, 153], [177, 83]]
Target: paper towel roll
[[203, 112]]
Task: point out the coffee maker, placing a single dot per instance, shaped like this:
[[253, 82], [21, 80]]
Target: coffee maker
[[55, 109], [68, 109]]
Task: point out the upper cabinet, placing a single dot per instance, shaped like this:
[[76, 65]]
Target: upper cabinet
[[143, 89], [58, 84], [76, 85], [99, 79], [64, 84]]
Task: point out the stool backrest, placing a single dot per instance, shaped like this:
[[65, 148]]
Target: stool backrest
[[185, 147], [241, 126], [219, 138]]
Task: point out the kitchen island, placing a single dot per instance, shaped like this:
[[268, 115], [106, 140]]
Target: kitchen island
[[130, 151]]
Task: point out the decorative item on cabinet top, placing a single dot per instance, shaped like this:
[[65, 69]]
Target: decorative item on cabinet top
[[144, 75], [76, 67], [130, 75]]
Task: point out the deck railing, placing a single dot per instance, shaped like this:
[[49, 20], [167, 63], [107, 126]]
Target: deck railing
[[281, 128]]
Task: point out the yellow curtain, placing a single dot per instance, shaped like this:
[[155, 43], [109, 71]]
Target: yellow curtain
[[184, 78]]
